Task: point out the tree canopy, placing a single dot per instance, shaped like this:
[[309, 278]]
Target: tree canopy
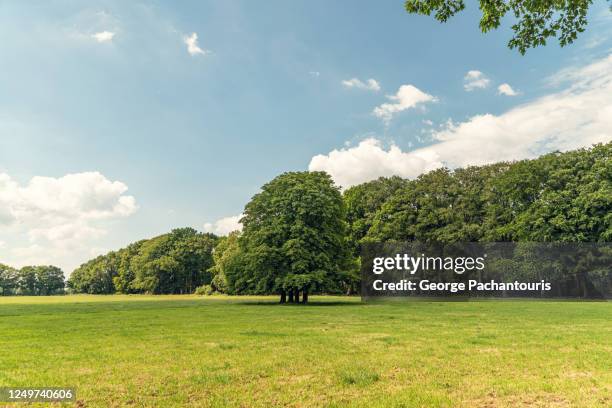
[[535, 20], [294, 238], [558, 197], [176, 262]]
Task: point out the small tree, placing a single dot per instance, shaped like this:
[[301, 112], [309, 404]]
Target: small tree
[[294, 238]]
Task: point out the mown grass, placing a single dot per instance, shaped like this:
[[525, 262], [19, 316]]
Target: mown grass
[[250, 352]]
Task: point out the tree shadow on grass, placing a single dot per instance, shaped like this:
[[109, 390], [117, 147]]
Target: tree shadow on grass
[[297, 305]]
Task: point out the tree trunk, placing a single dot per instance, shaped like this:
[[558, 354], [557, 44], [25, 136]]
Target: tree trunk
[[296, 295], [283, 297], [305, 295], [290, 295]]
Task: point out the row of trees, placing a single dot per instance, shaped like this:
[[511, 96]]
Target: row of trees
[[559, 197], [31, 280], [302, 234], [177, 262]]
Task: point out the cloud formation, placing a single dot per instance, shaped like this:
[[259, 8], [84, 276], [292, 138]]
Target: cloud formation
[[506, 89], [369, 160], [193, 47], [58, 217], [224, 226], [370, 84], [407, 96], [578, 115], [104, 36], [475, 80]]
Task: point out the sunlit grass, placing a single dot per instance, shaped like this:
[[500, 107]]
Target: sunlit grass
[[249, 351]]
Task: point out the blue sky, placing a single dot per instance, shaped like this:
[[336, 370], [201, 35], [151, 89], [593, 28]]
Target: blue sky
[[108, 90]]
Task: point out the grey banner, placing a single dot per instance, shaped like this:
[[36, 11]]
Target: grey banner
[[497, 270]]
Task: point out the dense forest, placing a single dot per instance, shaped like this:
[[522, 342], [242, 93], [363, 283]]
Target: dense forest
[[302, 234]]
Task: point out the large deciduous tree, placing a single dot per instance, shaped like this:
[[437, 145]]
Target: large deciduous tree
[[294, 238], [535, 20]]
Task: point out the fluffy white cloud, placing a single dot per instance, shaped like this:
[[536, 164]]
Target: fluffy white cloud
[[407, 96], [80, 196], [506, 89], [224, 226], [104, 36], [577, 116], [58, 217], [370, 160], [475, 80], [370, 85], [192, 45]]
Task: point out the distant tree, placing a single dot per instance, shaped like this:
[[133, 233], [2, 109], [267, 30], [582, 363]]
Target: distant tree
[[9, 280], [27, 283], [574, 198], [50, 280], [510, 194], [177, 262], [422, 210], [536, 20], [363, 201], [96, 276], [40, 280], [124, 280], [294, 238], [227, 260]]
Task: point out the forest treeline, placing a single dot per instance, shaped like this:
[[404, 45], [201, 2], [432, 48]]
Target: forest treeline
[[301, 234], [31, 280]]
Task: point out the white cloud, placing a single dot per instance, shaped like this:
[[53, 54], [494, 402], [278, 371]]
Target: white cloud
[[192, 45], [315, 74], [407, 96], [55, 219], [506, 89], [370, 85], [74, 196], [224, 226], [370, 160], [475, 80], [104, 36], [577, 116]]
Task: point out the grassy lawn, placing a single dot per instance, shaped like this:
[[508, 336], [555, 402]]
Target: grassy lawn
[[248, 352]]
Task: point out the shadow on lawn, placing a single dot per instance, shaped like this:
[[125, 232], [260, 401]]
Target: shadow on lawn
[[309, 304]]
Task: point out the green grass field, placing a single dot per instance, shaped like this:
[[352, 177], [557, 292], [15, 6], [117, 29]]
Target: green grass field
[[250, 352]]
